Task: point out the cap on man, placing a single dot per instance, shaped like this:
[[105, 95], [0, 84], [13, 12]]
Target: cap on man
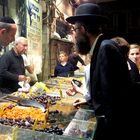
[[8, 30]]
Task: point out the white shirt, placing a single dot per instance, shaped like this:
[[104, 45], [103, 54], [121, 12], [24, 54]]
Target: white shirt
[[26, 60], [86, 84]]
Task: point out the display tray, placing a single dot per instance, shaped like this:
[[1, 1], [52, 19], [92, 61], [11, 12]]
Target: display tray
[[80, 129], [83, 125], [85, 114], [31, 118], [64, 125], [61, 121], [61, 82], [13, 133]]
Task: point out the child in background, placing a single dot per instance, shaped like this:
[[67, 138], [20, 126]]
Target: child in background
[[63, 68]]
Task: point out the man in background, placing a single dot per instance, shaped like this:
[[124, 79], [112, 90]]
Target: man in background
[[7, 32], [75, 59], [132, 67]]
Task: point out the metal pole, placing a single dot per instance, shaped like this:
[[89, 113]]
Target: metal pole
[[3, 7]]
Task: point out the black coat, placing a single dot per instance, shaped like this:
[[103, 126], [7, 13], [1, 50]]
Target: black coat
[[73, 59], [134, 71], [111, 88]]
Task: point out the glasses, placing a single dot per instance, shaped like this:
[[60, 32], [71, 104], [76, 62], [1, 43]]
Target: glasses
[[76, 29]]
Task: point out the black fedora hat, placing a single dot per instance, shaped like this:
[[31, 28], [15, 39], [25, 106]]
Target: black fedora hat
[[87, 11]]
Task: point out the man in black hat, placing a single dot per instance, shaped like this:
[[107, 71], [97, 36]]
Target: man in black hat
[[110, 82]]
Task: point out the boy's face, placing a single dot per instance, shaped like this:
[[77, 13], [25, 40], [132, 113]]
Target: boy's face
[[63, 58]]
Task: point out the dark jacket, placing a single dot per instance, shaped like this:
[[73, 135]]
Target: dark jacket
[[11, 66], [111, 90], [73, 59], [134, 71]]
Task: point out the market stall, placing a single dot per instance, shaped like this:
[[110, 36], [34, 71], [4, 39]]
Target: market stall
[[59, 120]]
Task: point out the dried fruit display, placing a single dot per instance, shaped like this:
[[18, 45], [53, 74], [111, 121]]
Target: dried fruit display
[[53, 121], [45, 99]]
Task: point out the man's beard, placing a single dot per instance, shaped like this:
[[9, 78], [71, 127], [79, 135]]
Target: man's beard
[[83, 44]]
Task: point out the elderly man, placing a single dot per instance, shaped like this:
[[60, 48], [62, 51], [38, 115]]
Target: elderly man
[[110, 82], [12, 68]]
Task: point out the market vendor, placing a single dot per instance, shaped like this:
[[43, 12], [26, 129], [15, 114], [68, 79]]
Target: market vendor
[[12, 69]]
